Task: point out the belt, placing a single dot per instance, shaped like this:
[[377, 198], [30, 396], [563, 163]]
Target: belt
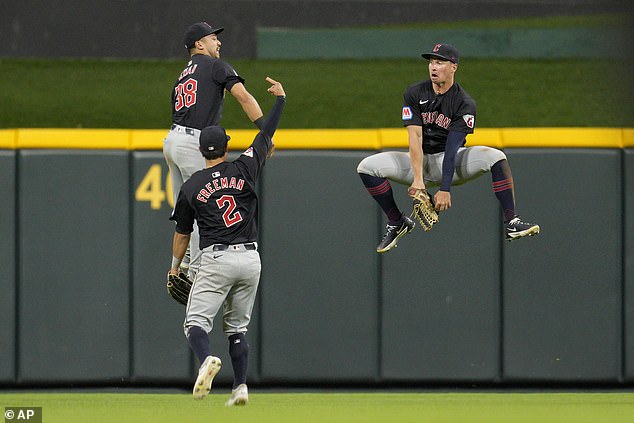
[[223, 247], [188, 131]]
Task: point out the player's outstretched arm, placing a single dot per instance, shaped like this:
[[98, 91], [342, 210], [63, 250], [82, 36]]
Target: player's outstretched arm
[[273, 119], [248, 103]]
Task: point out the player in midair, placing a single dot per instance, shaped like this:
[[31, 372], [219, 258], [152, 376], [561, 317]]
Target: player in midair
[[221, 199], [197, 102], [438, 114]]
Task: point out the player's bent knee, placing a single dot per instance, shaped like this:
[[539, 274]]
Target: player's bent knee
[[497, 155], [490, 156], [364, 167]]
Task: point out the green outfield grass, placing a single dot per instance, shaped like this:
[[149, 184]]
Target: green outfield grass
[[333, 407]]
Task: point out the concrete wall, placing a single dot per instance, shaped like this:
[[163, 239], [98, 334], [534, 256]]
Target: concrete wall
[[456, 305]]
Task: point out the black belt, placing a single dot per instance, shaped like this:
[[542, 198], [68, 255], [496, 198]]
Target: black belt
[[224, 247], [188, 131]]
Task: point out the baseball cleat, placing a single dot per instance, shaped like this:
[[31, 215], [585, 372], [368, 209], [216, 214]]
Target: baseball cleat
[[516, 229], [394, 232], [208, 370], [239, 396]]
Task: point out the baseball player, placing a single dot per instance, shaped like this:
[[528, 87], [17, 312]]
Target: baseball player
[[438, 114], [197, 101], [221, 199]]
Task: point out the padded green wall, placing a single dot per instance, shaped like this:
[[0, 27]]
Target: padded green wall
[[628, 255], [441, 299], [319, 296], [73, 311], [159, 347], [7, 263], [454, 305], [563, 289]]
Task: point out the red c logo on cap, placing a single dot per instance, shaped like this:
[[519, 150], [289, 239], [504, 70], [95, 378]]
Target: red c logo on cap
[[437, 47]]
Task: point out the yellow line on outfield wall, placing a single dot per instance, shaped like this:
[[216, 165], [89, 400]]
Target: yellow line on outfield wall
[[314, 139]]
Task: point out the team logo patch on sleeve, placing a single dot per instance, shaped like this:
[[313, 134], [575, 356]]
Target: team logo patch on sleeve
[[407, 113], [469, 120], [248, 152]]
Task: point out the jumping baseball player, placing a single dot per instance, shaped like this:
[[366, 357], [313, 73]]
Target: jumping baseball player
[[438, 114], [221, 199], [197, 101]]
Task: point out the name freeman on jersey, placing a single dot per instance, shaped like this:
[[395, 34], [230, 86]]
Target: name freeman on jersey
[[218, 184]]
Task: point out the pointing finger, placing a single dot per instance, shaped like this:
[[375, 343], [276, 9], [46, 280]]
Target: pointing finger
[[271, 81]]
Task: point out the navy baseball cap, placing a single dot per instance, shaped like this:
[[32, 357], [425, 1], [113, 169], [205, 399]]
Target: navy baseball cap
[[443, 51], [197, 31], [213, 138]]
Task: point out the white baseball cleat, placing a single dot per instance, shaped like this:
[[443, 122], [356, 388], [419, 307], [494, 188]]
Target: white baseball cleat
[[208, 370], [239, 396]]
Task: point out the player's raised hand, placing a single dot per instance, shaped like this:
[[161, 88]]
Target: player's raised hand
[[276, 87]]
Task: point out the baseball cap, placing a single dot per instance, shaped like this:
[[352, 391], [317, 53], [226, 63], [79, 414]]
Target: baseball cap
[[444, 51], [213, 138], [197, 31]]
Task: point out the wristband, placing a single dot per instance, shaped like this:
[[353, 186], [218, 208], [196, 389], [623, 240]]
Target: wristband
[[176, 262]]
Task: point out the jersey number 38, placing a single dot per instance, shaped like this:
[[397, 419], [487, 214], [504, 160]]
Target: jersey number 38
[[185, 94]]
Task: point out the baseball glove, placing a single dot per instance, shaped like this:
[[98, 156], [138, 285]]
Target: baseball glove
[[178, 286], [424, 209]]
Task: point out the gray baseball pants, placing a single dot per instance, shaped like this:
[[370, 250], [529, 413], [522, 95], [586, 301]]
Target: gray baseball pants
[[471, 162], [226, 278], [180, 148]]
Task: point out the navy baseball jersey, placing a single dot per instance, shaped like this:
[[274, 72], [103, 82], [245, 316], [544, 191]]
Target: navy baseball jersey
[[198, 93], [438, 114], [222, 198]]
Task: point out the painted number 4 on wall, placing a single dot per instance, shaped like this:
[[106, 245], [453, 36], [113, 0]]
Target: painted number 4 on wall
[[151, 188]]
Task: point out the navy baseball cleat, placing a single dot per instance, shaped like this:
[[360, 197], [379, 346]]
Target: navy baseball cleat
[[394, 232], [516, 229]]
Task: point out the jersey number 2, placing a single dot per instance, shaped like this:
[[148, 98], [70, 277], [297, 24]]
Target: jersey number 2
[[229, 216], [186, 94]]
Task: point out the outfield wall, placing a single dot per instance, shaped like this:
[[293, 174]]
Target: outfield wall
[[85, 242]]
